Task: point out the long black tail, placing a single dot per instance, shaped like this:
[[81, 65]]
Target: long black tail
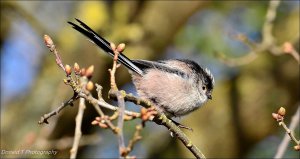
[[105, 45]]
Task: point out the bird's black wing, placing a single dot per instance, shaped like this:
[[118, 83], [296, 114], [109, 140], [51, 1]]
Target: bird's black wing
[[159, 65]]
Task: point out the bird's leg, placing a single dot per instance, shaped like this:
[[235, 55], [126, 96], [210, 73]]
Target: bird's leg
[[181, 126]]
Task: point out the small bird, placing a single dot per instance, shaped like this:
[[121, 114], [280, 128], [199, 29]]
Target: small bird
[[176, 87]]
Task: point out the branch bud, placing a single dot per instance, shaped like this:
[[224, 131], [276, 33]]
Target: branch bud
[[82, 72], [95, 122], [127, 117], [143, 111], [297, 147], [90, 86], [145, 117], [48, 41], [113, 46], [102, 125], [275, 116], [287, 47], [121, 47], [68, 70], [76, 68], [281, 111], [98, 118], [89, 72], [123, 152]]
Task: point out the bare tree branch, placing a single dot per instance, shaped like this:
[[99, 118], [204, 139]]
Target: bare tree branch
[[78, 132]]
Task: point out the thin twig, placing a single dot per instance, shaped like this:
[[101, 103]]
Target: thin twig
[[239, 61], [287, 138], [121, 103], [94, 102], [112, 71], [295, 54], [288, 48], [136, 137], [78, 132], [49, 43], [289, 132], [103, 104], [131, 98], [45, 117], [100, 112], [267, 29]]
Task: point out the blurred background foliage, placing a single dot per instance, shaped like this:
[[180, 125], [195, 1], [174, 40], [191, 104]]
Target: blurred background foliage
[[236, 123]]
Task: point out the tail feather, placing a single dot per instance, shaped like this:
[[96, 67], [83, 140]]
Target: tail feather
[[105, 45]]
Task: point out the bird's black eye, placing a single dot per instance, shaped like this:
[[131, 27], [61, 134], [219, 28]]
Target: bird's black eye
[[204, 88]]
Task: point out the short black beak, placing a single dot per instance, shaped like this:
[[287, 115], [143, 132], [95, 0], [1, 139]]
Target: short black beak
[[209, 96]]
